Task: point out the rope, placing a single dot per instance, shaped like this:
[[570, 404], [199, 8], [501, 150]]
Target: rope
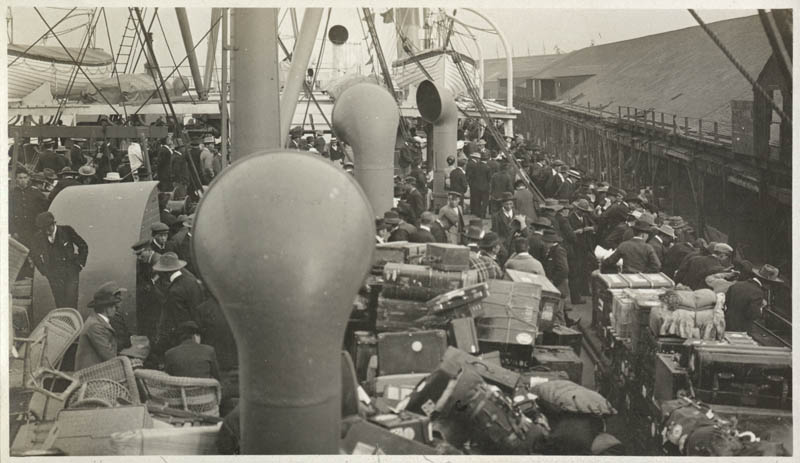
[[738, 66], [110, 47], [74, 74], [24, 53], [169, 49], [143, 43]]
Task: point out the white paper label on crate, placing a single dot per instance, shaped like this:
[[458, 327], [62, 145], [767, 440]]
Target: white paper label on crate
[[363, 449], [524, 338], [409, 433], [416, 346], [473, 349], [392, 393], [538, 380], [547, 315]]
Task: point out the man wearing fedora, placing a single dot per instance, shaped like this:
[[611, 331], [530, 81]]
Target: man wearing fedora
[[549, 210], [536, 246], [148, 297], [501, 185], [181, 242], [616, 213], [207, 160], [393, 222], [556, 267], [662, 240], [694, 269], [184, 294], [191, 358], [684, 245], [488, 267], [637, 256], [458, 179], [179, 168], [451, 217], [522, 260], [59, 253], [414, 196], [97, 342], [501, 220], [745, 300], [87, 175], [66, 179], [623, 231], [582, 225]]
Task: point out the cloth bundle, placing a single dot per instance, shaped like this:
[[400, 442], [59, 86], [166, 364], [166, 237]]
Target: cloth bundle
[[691, 428], [569, 397], [701, 299], [705, 324]]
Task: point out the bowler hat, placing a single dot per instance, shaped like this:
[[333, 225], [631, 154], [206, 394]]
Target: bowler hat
[[667, 230], [86, 171], [391, 217], [158, 227], [583, 205], [108, 293], [112, 177], [552, 204], [768, 272], [169, 262], [550, 236], [642, 225], [489, 240], [189, 327], [542, 222], [474, 233], [506, 196], [45, 219], [141, 244], [476, 222]]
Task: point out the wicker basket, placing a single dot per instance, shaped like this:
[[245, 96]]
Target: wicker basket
[[17, 252], [106, 390], [199, 395], [118, 369]]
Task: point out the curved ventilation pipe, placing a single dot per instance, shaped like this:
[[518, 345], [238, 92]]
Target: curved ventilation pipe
[[365, 116], [288, 297], [437, 106]]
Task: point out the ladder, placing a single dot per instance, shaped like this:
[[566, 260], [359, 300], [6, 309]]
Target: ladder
[[127, 46]]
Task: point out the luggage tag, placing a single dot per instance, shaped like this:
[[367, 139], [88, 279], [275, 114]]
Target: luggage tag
[[364, 449]]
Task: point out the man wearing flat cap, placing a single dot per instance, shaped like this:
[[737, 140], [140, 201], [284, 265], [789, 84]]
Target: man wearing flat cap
[[486, 263], [694, 270], [148, 297], [183, 294], [190, 358], [397, 232], [414, 196], [59, 253], [556, 267], [451, 216], [637, 256], [745, 300], [97, 342]]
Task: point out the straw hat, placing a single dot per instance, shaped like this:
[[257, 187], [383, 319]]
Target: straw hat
[[112, 177]]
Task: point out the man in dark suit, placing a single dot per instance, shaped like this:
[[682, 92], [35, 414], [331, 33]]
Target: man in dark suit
[[615, 214], [438, 231], [414, 197], [479, 188], [623, 231], [661, 241], [694, 270], [458, 179], [745, 300], [500, 184], [66, 179], [582, 256], [674, 256], [421, 178], [396, 232], [556, 268], [423, 233], [179, 167], [501, 220], [97, 342], [536, 246], [181, 243], [637, 256], [24, 204], [60, 254], [550, 210], [164, 166], [523, 200], [148, 297], [166, 217], [183, 294], [51, 160], [190, 358]]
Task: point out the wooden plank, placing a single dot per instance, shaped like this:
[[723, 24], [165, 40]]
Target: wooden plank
[[88, 131]]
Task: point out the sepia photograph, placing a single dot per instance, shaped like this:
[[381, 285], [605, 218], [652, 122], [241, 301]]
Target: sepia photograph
[[360, 229]]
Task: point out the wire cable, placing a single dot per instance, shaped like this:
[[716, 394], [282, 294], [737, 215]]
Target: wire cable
[[43, 36], [111, 47], [169, 49]]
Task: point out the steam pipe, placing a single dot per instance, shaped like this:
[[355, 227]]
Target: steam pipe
[[437, 106], [366, 116], [509, 125], [188, 43], [223, 87], [287, 298], [211, 52], [255, 84], [295, 79]]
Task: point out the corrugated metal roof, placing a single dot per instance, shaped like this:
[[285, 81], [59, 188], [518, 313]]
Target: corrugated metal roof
[[679, 72], [524, 66]]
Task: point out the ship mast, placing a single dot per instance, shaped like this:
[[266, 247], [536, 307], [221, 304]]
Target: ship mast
[[10, 25]]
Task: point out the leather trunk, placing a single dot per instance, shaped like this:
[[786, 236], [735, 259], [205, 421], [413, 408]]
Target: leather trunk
[[410, 352], [559, 358], [462, 335], [448, 257]]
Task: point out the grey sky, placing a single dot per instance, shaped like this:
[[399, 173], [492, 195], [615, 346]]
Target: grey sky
[[527, 30]]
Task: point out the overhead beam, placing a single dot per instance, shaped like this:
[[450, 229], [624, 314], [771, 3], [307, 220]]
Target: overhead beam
[[87, 131], [188, 43], [211, 52]]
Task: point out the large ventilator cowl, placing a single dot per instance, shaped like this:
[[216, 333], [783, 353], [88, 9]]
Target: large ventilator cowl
[[284, 240], [437, 106]]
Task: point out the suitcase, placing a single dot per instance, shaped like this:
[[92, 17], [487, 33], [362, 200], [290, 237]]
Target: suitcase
[[564, 336], [491, 357], [365, 345], [489, 371], [640, 325], [457, 298], [399, 315], [399, 252], [670, 378], [739, 338], [448, 257], [462, 335], [365, 438], [410, 352], [559, 358], [621, 315], [406, 424], [510, 321], [551, 301], [602, 283], [88, 431], [647, 280], [752, 376], [394, 388], [426, 277]]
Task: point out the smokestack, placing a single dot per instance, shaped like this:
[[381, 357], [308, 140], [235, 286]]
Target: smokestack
[[437, 106], [365, 116], [286, 293]]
